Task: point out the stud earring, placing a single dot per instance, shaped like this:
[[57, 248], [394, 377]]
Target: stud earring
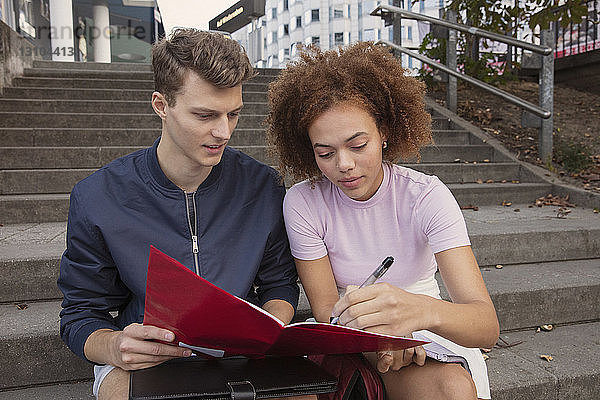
[[385, 144]]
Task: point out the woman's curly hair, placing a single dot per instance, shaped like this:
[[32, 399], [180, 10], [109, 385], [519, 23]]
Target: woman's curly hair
[[363, 74]]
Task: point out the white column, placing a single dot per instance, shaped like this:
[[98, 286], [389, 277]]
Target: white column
[[101, 31], [61, 28]]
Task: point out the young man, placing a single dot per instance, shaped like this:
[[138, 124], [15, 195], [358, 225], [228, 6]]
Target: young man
[[212, 208]]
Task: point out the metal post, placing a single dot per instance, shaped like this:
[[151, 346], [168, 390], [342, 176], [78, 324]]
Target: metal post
[[547, 97], [397, 28], [451, 63]]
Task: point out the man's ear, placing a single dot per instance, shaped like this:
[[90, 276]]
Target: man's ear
[[159, 104]]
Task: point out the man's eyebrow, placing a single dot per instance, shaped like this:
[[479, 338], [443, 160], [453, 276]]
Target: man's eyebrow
[[357, 134], [209, 110]]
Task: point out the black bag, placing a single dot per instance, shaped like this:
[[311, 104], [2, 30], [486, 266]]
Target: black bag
[[236, 378]]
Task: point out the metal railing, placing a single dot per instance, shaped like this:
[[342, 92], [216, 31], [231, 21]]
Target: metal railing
[[579, 38], [546, 77]]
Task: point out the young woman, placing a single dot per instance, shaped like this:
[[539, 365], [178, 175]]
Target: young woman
[[340, 119]]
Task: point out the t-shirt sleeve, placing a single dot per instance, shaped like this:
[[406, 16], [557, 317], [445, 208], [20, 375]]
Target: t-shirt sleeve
[[440, 217], [306, 240]]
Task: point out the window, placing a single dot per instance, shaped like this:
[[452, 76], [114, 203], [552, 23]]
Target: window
[[422, 6], [409, 32], [314, 14], [265, 43], [360, 10], [274, 13], [348, 10], [338, 13], [359, 36], [273, 37], [391, 32], [286, 29], [298, 22], [410, 62], [369, 35], [316, 40], [330, 13], [339, 39], [285, 5]]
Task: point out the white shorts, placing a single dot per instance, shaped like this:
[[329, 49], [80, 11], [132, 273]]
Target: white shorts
[[100, 372], [477, 367]]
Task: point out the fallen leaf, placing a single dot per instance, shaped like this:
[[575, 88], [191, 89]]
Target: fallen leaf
[[547, 328], [538, 330], [551, 200], [499, 266], [546, 357], [562, 212], [506, 203], [489, 181], [515, 181], [479, 181], [503, 181], [596, 210], [457, 160], [486, 160], [486, 350], [22, 306], [470, 207], [485, 357], [517, 210]]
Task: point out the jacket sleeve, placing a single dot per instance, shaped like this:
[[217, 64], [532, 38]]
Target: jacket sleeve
[[277, 277], [88, 279]]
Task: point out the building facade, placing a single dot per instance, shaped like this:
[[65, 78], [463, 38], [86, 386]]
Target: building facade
[[328, 24]]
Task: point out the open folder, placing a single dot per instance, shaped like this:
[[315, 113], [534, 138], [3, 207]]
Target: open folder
[[212, 322]]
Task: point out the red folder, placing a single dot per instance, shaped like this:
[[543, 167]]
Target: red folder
[[211, 321]]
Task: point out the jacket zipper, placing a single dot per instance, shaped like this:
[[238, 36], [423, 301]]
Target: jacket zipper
[[191, 216]]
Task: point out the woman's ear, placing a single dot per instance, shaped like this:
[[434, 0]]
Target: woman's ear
[[159, 104]]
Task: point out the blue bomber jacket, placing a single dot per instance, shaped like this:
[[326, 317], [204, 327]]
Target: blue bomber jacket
[[230, 231]]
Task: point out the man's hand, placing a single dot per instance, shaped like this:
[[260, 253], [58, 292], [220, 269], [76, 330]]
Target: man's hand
[[133, 347], [395, 360]]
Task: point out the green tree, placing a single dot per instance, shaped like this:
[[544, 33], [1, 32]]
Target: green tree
[[499, 17]]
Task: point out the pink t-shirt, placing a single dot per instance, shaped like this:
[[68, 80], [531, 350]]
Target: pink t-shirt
[[410, 217]]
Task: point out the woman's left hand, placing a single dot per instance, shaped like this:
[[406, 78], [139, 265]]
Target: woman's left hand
[[394, 360], [383, 308]]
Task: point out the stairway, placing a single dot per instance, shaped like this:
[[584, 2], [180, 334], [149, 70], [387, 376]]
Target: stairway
[[61, 121]]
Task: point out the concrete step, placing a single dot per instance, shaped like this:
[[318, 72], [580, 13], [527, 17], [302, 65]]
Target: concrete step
[[121, 66], [99, 106], [37, 157], [102, 94], [22, 208], [31, 181], [26, 81], [60, 157], [77, 137], [111, 74], [515, 372], [519, 372], [470, 173], [29, 252], [31, 332], [63, 391], [40, 181], [531, 295], [90, 137], [31, 342]]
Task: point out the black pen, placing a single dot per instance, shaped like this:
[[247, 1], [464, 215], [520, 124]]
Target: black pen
[[378, 273]]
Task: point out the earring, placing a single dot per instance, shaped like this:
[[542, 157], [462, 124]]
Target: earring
[[385, 144]]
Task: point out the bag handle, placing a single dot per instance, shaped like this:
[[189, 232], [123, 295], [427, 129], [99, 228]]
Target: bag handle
[[242, 390]]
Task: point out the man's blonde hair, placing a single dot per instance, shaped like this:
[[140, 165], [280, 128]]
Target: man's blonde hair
[[213, 56]]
